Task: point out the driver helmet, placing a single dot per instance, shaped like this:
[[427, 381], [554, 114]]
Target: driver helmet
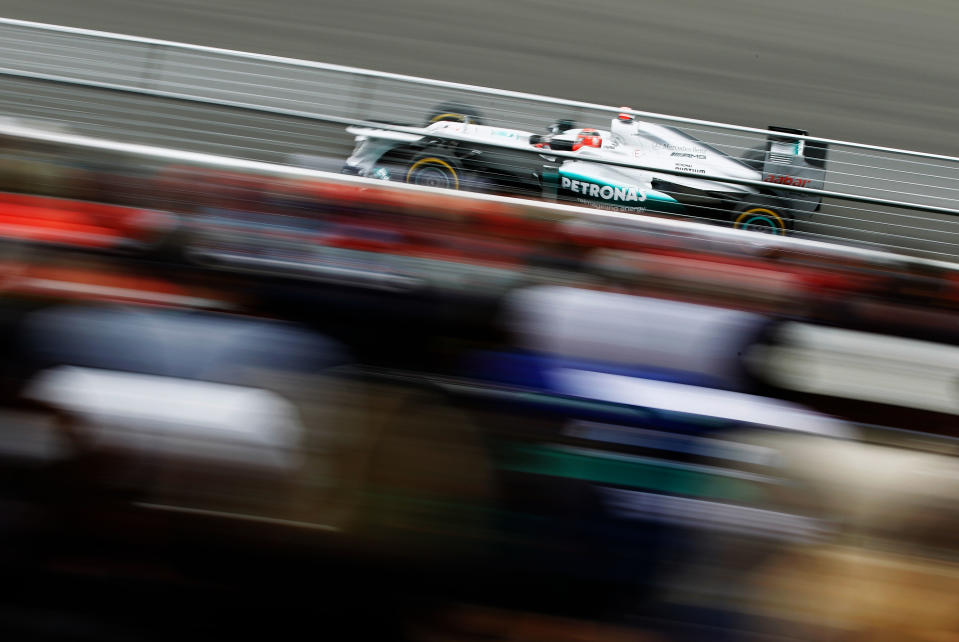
[[588, 138]]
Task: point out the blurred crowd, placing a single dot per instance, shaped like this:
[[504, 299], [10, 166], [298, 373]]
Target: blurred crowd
[[506, 420]]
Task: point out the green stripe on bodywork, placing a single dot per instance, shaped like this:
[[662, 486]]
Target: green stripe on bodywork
[[625, 470]]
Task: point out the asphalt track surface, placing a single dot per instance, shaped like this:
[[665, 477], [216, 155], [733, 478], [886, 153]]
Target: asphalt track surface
[[876, 71]]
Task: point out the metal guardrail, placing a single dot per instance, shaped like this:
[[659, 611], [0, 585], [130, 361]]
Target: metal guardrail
[[333, 94], [100, 152], [239, 77]]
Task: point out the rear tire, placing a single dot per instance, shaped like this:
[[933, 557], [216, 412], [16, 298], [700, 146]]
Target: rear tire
[[764, 215]]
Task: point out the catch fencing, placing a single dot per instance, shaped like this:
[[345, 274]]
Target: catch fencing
[[264, 107]]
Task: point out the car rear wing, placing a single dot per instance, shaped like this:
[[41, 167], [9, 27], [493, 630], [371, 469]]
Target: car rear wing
[[789, 160]]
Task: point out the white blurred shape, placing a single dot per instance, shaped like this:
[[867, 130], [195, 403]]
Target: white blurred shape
[[863, 366], [638, 331], [695, 400], [715, 516], [182, 418]]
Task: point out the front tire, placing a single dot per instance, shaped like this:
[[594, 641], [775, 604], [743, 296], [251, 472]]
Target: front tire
[[432, 170]]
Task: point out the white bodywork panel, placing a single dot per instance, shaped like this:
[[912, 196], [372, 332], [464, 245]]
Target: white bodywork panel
[[646, 144]]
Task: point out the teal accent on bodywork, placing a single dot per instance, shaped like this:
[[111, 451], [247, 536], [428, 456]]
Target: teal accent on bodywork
[[629, 471], [772, 224]]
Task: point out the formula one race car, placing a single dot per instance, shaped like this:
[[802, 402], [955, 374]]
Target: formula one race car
[[461, 152]]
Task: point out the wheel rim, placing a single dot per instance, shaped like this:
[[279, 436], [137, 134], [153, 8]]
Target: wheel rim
[[433, 172], [432, 177]]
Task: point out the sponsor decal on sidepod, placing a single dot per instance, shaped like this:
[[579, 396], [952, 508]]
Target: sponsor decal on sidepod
[[606, 192]]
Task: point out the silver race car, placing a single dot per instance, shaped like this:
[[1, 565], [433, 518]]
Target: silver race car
[[459, 151]]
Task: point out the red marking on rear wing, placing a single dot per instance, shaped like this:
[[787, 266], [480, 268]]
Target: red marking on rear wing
[[786, 180]]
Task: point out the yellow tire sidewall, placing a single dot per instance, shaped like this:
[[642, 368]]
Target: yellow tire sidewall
[[432, 160], [764, 212], [449, 116]]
